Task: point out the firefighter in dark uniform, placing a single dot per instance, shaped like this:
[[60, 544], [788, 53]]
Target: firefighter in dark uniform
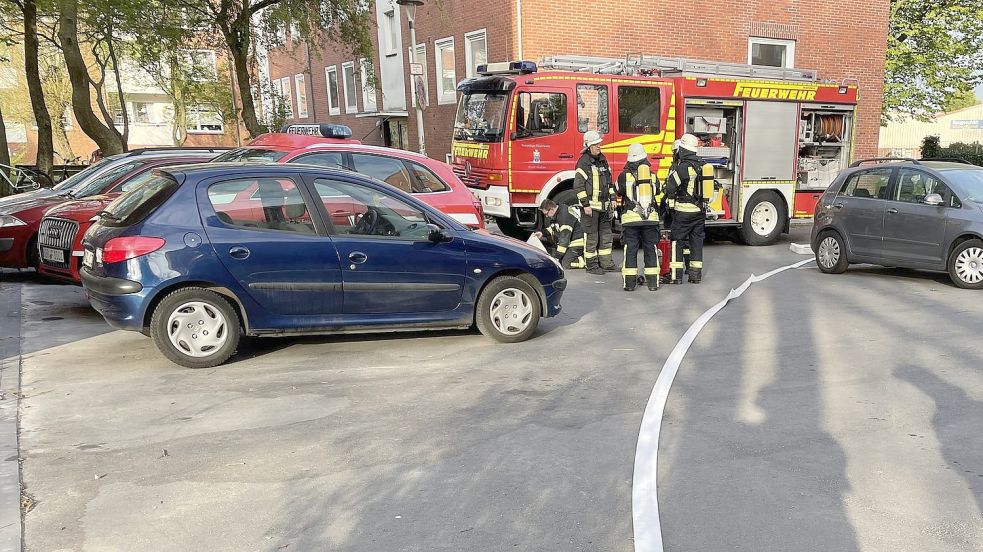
[[640, 195], [685, 189], [562, 226], [595, 192]]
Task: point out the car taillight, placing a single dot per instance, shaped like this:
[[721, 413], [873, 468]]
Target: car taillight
[[129, 247]]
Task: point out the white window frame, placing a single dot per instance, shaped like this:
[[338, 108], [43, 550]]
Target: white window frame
[[369, 100], [333, 108], [389, 32], [300, 89], [287, 94], [351, 104], [195, 112], [444, 96], [789, 48], [421, 58], [471, 67], [211, 74]]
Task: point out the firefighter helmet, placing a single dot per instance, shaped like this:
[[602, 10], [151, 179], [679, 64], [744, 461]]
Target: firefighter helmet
[[592, 138], [689, 142], [636, 152], [675, 146]]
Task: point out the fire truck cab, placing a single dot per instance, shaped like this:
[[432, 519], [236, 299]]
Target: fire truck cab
[[775, 137]]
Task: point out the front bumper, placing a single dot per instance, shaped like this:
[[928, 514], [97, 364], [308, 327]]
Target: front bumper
[[6, 244], [495, 200], [554, 292]]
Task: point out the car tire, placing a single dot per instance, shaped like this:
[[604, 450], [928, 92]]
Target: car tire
[[508, 310], [212, 333], [511, 228], [764, 219], [33, 253], [831, 253], [966, 265]]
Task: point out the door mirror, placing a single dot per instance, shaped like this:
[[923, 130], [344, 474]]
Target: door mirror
[[437, 234], [934, 200]]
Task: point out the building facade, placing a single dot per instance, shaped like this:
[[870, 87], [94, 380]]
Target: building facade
[[904, 138], [453, 36]]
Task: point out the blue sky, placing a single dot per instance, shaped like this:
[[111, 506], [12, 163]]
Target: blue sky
[[979, 92]]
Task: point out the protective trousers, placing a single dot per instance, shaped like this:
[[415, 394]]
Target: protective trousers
[[645, 236], [686, 231], [600, 239], [573, 258]]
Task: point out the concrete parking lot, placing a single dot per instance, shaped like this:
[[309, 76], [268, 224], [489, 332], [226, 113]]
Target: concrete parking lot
[[813, 413]]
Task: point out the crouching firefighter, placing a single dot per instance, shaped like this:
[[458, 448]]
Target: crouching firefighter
[[595, 192], [685, 190], [562, 223], [640, 195]]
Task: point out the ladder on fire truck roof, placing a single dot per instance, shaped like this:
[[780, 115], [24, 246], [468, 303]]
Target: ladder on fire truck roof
[[634, 64]]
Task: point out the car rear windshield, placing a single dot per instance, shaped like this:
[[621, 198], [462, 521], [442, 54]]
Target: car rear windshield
[[970, 180], [249, 154], [134, 206]]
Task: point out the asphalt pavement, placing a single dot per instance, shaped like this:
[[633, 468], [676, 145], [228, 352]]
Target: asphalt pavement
[[814, 413]]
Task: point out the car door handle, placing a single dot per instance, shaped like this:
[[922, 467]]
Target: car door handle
[[239, 252], [837, 206], [566, 156], [357, 257], [893, 211]]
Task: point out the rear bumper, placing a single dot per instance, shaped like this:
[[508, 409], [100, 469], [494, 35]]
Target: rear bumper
[[109, 286], [121, 302]]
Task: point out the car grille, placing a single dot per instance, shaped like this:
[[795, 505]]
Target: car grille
[[58, 234], [478, 178]]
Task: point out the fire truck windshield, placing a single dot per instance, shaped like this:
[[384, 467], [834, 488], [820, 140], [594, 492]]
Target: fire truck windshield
[[481, 116]]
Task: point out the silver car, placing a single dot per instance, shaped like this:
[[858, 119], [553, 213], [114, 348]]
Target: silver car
[[904, 213]]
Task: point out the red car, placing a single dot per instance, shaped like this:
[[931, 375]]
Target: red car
[[60, 231], [432, 181]]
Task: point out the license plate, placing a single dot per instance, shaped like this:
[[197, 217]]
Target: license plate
[[87, 258], [53, 255]]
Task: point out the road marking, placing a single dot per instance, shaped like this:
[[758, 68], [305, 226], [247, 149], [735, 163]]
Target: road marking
[[644, 492]]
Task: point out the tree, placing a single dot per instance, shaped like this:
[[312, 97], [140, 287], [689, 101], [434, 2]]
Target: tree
[[961, 100], [239, 22], [102, 37], [934, 52], [4, 147], [27, 12]]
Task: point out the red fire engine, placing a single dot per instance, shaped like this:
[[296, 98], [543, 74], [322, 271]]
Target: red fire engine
[[776, 137]]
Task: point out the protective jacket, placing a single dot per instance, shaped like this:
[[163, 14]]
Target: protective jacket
[[592, 183], [640, 193], [565, 228], [684, 185]]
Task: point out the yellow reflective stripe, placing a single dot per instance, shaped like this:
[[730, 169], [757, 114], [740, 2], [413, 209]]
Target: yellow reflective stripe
[[578, 263], [582, 173], [688, 208], [581, 195], [685, 251], [629, 271], [604, 252], [596, 186], [651, 270], [696, 264], [566, 227], [577, 243], [590, 254], [561, 249], [675, 265]]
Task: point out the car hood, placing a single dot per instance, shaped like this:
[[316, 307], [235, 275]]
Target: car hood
[[81, 210], [21, 203], [535, 257], [44, 192]]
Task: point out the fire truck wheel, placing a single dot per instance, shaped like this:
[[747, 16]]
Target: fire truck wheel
[[764, 219], [831, 253], [511, 228]]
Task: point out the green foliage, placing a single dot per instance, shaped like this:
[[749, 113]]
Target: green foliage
[[934, 52], [961, 100], [971, 153]]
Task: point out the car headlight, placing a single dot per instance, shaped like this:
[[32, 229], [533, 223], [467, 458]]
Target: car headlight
[[10, 220]]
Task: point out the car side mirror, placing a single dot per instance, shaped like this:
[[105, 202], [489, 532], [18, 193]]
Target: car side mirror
[[933, 199], [437, 234]]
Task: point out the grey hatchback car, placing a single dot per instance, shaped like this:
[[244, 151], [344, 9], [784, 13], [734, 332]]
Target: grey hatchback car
[[904, 213]]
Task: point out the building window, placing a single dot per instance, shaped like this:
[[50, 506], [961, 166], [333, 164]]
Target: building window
[[331, 80], [142, 112], [446, 76], [348, 80], [204, 120], [368, 88], [475, 51], [201, 65], [285, 95], [771, 52], [301, 96], [421, 58], [391, 32]]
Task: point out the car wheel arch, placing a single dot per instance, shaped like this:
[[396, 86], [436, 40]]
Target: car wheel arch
[[221, 290], [960, 239], [524, 276]]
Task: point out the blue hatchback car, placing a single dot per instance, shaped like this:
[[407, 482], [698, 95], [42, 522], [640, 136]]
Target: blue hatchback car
[[201, 255]]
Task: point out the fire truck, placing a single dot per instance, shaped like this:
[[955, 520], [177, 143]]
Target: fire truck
[[776, 137]]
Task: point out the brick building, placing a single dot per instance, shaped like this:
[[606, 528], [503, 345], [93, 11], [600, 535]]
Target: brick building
[[455, 35]]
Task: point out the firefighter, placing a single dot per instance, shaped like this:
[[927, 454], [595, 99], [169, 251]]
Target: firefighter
[[684, 188], [595, 192], [639, 191], [562, 224]]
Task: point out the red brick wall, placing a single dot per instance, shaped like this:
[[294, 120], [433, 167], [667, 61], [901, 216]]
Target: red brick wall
[[838, 38]]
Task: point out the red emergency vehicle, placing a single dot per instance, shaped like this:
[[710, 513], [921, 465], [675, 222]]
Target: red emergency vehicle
[[776, 137]]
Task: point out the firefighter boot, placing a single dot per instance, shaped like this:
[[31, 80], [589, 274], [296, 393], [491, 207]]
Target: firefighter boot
[[695, 275], [630, 282]]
